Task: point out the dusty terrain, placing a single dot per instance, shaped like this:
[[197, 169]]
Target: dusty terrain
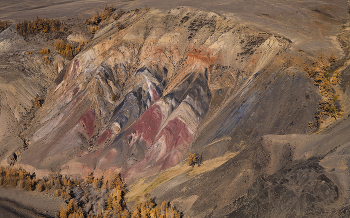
[[23, 202], [225, 80], [310, 24]]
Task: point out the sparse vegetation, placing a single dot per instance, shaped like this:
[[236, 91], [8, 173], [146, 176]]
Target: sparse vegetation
[[46, 59], [44, 51], [115, 96], [93, 29], [325, 79], [148, 208], [40, 25], [120, 26], [69, 51], [117, 15], [94, 197], [73, 210], [97, 18], [4, 25], [38, 102]]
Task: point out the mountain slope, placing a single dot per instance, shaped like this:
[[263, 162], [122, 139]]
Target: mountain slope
[[153, 86]]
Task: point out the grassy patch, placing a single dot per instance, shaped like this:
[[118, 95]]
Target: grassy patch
[[141, 187], [68, 51], [93, 29], [46, 59], [97, 18]]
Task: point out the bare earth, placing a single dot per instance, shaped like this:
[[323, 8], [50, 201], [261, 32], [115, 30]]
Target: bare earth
[[19, 203]]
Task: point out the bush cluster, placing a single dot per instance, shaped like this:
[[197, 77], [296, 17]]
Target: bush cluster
[[325, 79], [73, 210], [40, 25], [149, 208], [97, 18], [93, 197], [68, 51], [4, 25], [38, 102], [117, 15], [93, 29], [11, 178], [46, 59], [44, 51]]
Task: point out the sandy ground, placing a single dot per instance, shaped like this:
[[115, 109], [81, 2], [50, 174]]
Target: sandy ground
[[19, 203], [18, 10], [11, 209]]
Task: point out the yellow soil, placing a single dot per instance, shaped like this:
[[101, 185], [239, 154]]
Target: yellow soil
[[141, 187]]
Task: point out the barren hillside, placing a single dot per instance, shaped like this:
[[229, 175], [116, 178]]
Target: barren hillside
[[260, 92]]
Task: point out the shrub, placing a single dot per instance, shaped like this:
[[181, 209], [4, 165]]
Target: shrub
[[4, 25], [63, 212], [44, 51], [193, 159], [120, 26], [89, 178], [40, 186], [96, 203], [107, 12], [97, 183], [95, 20], [117, 181], [73, 210], [332, 58], [115, 96], [65, 195], [68, 51], [148, 208], [57, 193], [29, 185], [60, 45]]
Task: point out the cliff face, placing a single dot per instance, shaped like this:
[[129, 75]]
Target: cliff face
[[153, 86]]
